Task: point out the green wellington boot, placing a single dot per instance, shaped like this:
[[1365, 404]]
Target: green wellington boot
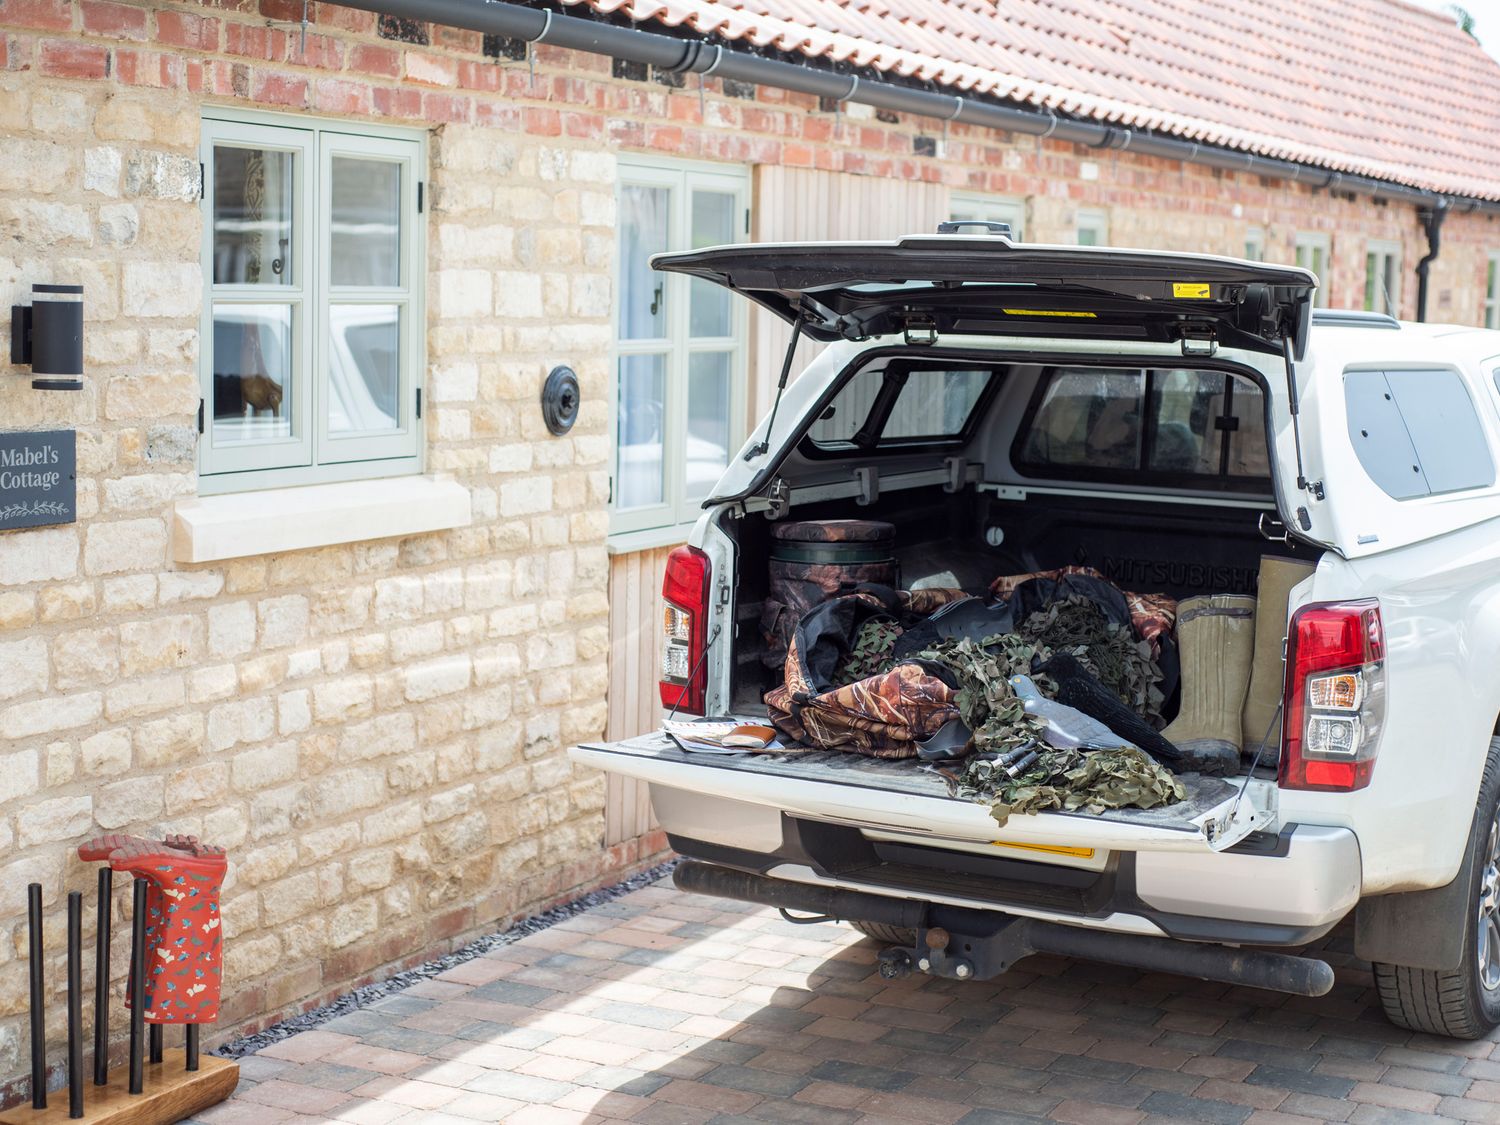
[[1215, 641], [1277, 577]]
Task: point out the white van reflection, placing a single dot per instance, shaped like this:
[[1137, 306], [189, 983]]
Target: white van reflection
[[252, 371]]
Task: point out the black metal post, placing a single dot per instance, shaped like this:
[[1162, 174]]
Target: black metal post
[[75, 1004], [190, 1043], [137, 985], [38, 1001], [154, 1038], [101, 979]]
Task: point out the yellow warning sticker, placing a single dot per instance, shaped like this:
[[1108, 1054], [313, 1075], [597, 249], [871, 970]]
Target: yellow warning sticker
[[1050, 849], [1049, 312], [1193, 290]]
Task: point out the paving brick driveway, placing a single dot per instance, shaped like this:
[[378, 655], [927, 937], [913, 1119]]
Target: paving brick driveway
[[669, 1008]]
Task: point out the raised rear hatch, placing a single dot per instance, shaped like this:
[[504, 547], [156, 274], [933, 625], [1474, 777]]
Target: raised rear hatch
[[924, 286]]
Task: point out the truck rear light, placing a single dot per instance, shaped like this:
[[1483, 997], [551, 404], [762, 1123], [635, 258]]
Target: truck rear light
[[684, 589], [1335, 696]]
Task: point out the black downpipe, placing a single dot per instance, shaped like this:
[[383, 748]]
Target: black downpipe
[[75, 1004], [1431, 219], [101, 979], [697, 56], [38, 996]]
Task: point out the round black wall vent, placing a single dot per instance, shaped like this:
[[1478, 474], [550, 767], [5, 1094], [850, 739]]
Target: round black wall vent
[[560, 398]]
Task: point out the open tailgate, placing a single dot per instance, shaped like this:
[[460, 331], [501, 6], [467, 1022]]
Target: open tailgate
[[930, 285], [878, 795]]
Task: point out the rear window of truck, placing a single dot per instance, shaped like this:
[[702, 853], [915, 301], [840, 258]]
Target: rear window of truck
[[902, 404], [1416, 433], [1157, 425]]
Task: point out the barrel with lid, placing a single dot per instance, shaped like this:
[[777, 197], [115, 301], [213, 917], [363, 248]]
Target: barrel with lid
[[811, 560]]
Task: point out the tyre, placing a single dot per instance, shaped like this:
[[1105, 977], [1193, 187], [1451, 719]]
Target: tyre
[[891, 935], [1463, 1003]]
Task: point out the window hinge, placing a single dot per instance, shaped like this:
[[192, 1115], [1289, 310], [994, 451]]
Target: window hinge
[[419, 402], [200, 415], [747, 220], [202, 181], [611, 499], [420, 186]]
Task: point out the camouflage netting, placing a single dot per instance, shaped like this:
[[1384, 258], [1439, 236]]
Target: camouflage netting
[[1069, 780], [1060, 779]]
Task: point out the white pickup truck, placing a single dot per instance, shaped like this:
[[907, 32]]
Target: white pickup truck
[[1346, 440]]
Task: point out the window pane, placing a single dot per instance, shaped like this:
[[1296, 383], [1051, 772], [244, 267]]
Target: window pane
[[1249, 452], [643, 220], [1444, 428], [1088, 236], [713, 225], [935, 403], [1089, 418], [708, 420], [640, 437], [252, 216], [1183, 407], [365, 226], [252, 397], [364, 368]]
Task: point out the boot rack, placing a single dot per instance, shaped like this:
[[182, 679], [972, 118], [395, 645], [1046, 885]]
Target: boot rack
[[159, 1086]]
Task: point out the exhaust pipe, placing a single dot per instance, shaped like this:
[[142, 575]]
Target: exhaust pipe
[[991, 939]]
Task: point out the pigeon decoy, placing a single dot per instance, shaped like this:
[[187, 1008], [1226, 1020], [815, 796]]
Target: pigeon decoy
[[1066, 728]]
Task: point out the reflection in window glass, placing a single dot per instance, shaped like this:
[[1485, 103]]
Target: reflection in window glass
[[252, 354], [365, 225], [1184, 405], [707, 449], [713, 225], [252, 216], [934, 403], [643, 219], [364, 351], [639, 440], [1089, 418]]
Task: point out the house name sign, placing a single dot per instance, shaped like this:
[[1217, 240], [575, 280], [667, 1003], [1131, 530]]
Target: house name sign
[[38, 478]]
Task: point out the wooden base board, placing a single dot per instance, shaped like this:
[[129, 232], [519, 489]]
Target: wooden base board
[[170, 1094]]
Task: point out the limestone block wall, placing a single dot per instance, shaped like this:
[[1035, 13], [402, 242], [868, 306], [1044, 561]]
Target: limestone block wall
[[376, 730]]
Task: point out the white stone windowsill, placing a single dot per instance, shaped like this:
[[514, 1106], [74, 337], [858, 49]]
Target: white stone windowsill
[[208, 528], [629, 542]]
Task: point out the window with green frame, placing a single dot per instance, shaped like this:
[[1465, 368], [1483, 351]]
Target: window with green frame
[[313, 331], [680, 343]]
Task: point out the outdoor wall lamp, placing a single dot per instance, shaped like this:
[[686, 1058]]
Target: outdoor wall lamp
[[560, 400], [48, 336]]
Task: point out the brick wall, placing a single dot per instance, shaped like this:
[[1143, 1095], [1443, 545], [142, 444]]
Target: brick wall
[[376, 731]]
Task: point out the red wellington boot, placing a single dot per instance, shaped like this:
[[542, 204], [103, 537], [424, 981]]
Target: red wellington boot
[[183, 940]]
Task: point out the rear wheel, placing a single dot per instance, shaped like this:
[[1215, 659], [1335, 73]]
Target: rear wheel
[[1464, 1002], [891, 935]]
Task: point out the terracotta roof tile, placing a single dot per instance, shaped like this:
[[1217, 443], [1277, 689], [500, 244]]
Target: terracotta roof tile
[[1374, 87]]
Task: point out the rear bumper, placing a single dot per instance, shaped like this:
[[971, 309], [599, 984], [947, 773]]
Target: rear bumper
[[1283, 890]]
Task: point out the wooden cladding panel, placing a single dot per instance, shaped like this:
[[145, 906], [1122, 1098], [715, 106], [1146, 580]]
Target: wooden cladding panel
[[635, 645]]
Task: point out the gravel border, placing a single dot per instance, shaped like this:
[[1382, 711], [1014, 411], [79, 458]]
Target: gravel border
[[364, 997]]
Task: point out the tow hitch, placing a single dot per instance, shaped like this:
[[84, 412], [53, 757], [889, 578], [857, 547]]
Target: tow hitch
[[966, 944]]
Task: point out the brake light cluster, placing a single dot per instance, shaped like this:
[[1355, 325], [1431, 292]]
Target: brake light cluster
[[684, 590], [1335, 696]]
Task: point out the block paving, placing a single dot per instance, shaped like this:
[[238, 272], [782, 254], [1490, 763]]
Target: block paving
[[666, 1008]]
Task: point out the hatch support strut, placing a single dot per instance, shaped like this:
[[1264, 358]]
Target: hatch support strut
[[1294, 405], [764, 443]]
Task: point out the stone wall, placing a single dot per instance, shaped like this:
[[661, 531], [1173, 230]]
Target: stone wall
[[376, 730]]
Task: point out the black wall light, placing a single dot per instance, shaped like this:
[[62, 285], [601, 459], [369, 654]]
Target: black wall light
[[48, 335], [560, 400]]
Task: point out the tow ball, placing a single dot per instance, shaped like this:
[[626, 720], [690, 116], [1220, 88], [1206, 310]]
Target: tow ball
[[936, 959]]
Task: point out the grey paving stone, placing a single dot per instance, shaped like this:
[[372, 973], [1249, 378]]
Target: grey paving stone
[[361, 1022], [1167, 1104], [522, 1087], [513, 992], [913, 1040], [1095, 1090], [1300, 1081], [856, 1074], [639, 1015], [325, 1075], [522, 1038], [753, 1081], [1385, 1115], [1287, 1058], [1089, 1067], [1433, 1081], [623, 1080], [407, 1039], [996, 1117], [401, 1005]]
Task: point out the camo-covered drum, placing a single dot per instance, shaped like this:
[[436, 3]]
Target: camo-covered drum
[[812, 560]]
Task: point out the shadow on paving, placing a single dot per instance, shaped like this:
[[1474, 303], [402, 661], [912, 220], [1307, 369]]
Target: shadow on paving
[[672, 1009]]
